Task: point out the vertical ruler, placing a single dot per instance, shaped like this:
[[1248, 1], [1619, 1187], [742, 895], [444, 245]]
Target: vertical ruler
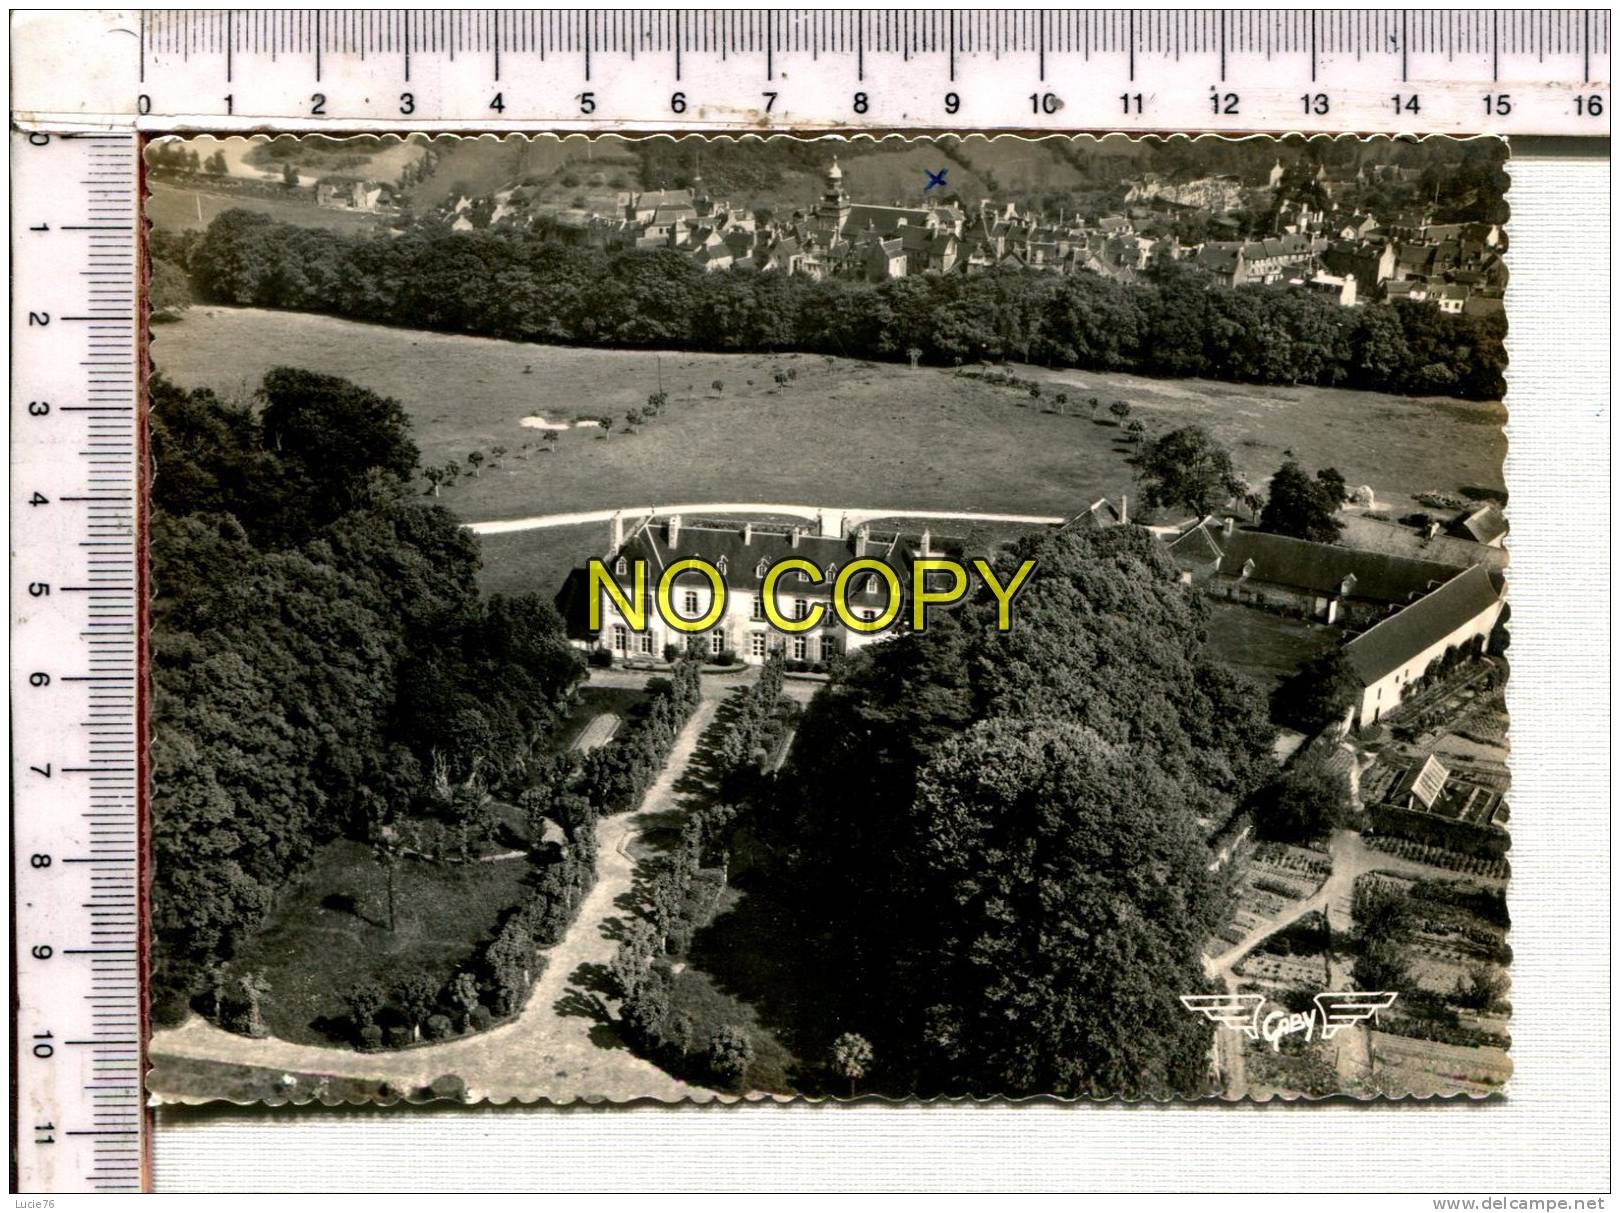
[[76, 582]]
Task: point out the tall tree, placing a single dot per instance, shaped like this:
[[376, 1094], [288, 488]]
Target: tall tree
[[1303, 507], [1187, 468], [1000, 833]]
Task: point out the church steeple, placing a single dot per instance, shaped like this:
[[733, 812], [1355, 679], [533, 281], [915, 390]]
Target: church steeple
[[835, 200]]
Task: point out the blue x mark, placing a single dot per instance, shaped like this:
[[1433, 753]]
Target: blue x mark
[[935, 178]]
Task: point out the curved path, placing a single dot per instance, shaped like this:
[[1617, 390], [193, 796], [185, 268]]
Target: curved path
[[810, 512], [563, 1046]]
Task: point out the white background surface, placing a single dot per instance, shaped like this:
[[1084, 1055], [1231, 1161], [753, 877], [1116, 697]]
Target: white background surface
[[1551, 1133]]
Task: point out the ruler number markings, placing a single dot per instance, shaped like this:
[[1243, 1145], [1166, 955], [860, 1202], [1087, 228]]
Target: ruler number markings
[[1309, 70], [73, 666]]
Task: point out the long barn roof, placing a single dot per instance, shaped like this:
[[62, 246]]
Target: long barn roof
[[1391, 643]]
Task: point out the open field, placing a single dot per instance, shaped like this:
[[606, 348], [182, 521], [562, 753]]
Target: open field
[[844, 432], [330, 930], [537, 562], [176, 209]]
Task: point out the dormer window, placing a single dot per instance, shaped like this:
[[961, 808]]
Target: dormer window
[[621, 566], [832, 569], [871, 585], [720, 564], [761, 568]]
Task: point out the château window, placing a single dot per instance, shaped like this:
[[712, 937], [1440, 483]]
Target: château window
[[646, 642], [756, 644], [717, 642], [800, 648], [801, 608], [621, 638], [691, 601], [759, 606]]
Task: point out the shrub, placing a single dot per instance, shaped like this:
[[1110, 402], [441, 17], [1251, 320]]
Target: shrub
[[731, 1052], [371, 1038], [672, 653], [446, 1086], [601, 659], [724, 658], [438, 1026], [397, 1036], [481, 1019]]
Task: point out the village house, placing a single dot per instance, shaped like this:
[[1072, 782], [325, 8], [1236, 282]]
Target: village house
[[349, 193], [1250, 262]]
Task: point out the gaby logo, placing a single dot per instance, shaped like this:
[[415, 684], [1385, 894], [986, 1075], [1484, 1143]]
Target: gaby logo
[[1333, 1011]]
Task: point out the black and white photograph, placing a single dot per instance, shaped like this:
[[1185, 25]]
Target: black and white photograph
[[724, 619]]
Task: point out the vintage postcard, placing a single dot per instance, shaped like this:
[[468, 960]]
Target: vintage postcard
[[708, 619]]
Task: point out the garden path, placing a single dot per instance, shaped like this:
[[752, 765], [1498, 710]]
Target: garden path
[[562, 1047]]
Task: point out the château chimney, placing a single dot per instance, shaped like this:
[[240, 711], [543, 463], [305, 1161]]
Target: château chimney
[[1227, 526], [1124, 509], [926, 539], [862, 533], [748, 533], [672, 534], [793, 537], [618, 530]]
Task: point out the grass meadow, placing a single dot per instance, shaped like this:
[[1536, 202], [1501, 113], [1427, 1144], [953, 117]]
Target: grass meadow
[[329, 931], [844, 432], [177, 209]]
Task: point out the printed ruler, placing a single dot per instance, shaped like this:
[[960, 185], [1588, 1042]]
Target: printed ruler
[[75, 594], [1507, 71], [86, 84]]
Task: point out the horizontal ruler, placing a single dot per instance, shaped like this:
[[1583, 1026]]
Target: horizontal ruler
[[1508, 71]]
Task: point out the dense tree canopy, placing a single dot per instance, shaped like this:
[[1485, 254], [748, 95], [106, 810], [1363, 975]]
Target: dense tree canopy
[[1319, 694], [1303, 506], [319, 650], [1002, 835], [525, 287]]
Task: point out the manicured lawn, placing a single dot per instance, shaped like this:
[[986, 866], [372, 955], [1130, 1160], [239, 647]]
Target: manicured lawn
[[1265, 646], [538, 561], [751, 966], [711, 1009], [622, 702], [843, 433], [329, 930]]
